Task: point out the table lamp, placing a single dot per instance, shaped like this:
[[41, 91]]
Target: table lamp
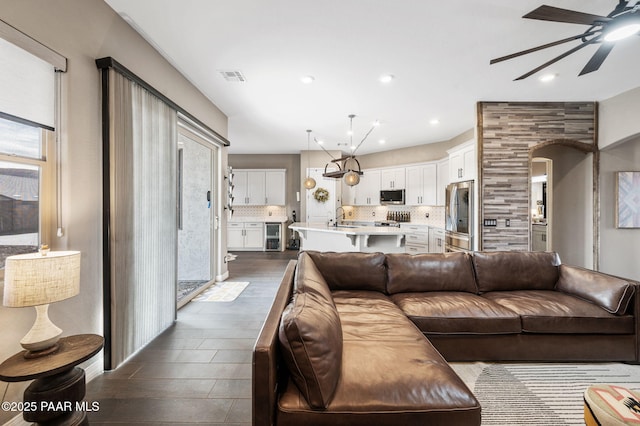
[[37, 279]]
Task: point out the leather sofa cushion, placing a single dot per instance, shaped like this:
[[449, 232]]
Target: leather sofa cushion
[[514, 270], [388, 385], [457, 313], [430, 272], [369, 315], [611, 293], [309, 279], [544, 311], [352, 271], [311, 339], [389, 375]]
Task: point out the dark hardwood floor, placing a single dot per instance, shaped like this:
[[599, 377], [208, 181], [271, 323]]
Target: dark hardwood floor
[[199, 370]]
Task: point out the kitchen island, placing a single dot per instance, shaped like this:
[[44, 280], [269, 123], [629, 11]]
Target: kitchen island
[[349, 238]]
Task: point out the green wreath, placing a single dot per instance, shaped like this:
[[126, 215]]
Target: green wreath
[[321, 195]]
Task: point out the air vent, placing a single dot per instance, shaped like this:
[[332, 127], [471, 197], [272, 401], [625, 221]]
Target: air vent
[[232, 75]]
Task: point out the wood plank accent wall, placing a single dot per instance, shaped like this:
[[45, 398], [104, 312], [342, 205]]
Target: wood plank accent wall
[[507, 131]]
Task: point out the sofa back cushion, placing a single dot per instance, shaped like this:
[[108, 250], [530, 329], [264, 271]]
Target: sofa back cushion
[[430, 272], [352, 271], [611, 293], [516, 270], [311, 338]]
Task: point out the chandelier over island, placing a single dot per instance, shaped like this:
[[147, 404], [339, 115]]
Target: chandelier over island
[[348, 165]]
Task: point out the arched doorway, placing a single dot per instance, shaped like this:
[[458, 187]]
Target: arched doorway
[[572, 191]]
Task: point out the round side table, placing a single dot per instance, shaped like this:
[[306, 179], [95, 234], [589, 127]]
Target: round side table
[[55, 396]]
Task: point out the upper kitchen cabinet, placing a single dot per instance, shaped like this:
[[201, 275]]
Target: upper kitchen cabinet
[[442, 181], [392, 179], [275, 187], [367, 192], [462, 162], [422, 184], [259, 187]]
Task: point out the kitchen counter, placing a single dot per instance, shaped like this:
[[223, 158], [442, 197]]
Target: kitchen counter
[[349, 238]]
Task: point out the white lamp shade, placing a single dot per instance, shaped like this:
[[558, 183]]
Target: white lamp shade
[[33, 279], [351, 178], [309, 183]]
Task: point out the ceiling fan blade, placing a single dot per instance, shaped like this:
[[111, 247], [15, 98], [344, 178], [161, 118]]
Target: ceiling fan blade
[[598, 58], [557, 58], [556, 14], [543, 46]]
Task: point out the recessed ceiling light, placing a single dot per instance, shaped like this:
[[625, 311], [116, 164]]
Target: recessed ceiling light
[[434, 121], [382, 141], [353, 147], [376, 123], [307, 79], [545, 78], [321, 142], [386, 78]]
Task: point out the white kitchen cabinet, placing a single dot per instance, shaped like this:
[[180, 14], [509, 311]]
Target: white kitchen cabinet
[[436, 240], [539, 238], [248, 236], [275, 188], [416, 238], [367, 192], [442, 181], [462, 162], [259, 187], [421, 183], [347, 194], [392, 178]]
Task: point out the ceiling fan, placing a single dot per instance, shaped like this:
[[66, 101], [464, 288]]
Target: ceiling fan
[[622, 22]]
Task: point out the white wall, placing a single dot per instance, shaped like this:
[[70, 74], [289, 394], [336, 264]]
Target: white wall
[[82, 31]]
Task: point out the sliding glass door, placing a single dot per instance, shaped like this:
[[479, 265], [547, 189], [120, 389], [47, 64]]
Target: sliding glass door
[[195, 215]]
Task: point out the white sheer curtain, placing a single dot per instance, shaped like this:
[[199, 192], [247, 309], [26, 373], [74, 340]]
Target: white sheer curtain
[[143, 231]]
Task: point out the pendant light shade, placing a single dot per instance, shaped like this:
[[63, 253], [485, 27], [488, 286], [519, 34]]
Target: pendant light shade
[[309, 182], [352, 178]]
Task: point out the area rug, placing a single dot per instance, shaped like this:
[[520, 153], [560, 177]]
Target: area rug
[[540, 394], [226, 291]]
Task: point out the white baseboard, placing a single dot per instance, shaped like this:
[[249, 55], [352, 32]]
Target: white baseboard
[[93, 370], [222, 277]]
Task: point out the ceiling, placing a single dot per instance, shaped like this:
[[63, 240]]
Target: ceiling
[[438, 52]]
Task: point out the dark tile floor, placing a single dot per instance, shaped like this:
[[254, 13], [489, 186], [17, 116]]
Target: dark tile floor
[[199, 370]]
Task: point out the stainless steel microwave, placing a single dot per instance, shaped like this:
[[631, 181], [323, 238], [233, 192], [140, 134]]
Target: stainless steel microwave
[[395, 196]]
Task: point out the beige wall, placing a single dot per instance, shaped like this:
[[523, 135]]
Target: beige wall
[[414, 154], [619, 248], [290, 162], [572, 208], [618, 117], [82, 31]]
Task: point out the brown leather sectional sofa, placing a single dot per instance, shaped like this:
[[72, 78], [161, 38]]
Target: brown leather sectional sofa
[[364, 338]]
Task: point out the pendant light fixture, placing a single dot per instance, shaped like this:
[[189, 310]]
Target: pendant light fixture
[[348, 165], [309, 182]]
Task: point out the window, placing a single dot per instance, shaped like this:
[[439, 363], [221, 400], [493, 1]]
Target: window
[[27, 189]]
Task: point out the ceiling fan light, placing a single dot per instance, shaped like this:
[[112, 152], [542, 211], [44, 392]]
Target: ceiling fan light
[[351, 178], [622, 32], [309, 183]]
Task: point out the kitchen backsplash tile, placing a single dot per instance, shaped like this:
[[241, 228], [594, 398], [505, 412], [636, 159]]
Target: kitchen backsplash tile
[[259, 211], [418, 213]]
